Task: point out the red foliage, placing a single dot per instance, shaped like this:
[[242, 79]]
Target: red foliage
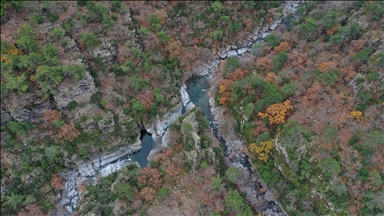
[[32, 209], [264, 64], [69, 132], [56, 182], [150, 177]]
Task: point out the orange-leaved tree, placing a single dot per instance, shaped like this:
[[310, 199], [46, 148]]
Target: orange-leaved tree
[[225, 91], [358, 115], [277, 112], [263, 150]]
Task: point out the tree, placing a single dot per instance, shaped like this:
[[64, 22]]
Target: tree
[[225, 91], [137, 83], [173, 48], [56, 182], [279, 61], [374, 11], [69, 132], [89, 40], [358, 115], [232, 174], [217, 182], [15, 83], [283, 46], [48, 78], [162, 15], [75, 71], [148, 193], [263, 150], [14, 200], [272, 40], [163, 192], [96, 12], [163, 36], [330, 19], [258, 49], [234, 201], [124, 191], [57, 33], [231, 64], [19, 128], [276, 112], [217, 7], [330, 167], [150, 177], [308, 29], [26, 38], [218, 35]]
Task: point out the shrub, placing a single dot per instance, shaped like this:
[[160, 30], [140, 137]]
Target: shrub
[[19, 128], [232, 174], [57, 33], [231, 65], [374, 11], [163, 192], [272, 40], [72, 105], [89, 40], [330, 19], [218, 35]]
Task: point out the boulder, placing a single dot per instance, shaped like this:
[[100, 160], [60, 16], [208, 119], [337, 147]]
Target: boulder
[[107, 123], [29, 108], [80, 91], [107, 52]]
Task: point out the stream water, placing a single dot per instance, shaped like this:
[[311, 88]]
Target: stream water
[[197, 90], [147, 144]]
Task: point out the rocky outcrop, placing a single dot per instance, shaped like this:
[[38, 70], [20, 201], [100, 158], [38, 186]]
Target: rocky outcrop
[[161, 124], [187, 103], [80, 91], [107, 123], [88, 171], [107, 52], [29, 108]]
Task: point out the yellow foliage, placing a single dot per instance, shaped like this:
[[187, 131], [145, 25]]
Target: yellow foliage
[[357, 115], [5, 59], [162, 15], [263, 150], [14, 51], [277, 112]]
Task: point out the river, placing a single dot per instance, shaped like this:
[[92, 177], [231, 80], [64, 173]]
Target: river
[[197, 89]]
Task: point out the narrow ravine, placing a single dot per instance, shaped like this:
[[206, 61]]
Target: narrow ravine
[[197, 88]]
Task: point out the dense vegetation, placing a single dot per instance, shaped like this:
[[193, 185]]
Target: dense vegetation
[[80, 78]]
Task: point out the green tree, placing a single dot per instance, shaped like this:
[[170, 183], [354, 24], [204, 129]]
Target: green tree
[[374, 10], [124, 191], [26, 38], [258, 49], [137, 83], [14, 200], [234, 201], [217, 182], [163, 192], [68, 25], [50, 51], [57, 33], [217, 7], [163, 36], [289, 88], [75, 71], [272, 40], [231, 64], [329, 167], [232, 174], [279, 61], [308, 29], [89, 40], [143, 31], [48, 78], [15, 83], [96, 12], [330, 19], [328, 78], [19, 128], [218, 35], [159, 98]]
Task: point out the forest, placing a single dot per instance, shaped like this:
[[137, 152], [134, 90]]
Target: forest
[[81, 80]]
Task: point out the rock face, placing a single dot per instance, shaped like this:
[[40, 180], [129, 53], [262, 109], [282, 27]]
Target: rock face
[[107, 123], [90, 170], [161, 124], [28, 108], [80, 91], [107, 52]]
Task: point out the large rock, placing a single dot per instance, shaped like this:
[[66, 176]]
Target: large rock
[[107, 52], [28, 108], [80, 91], [107, 123], [160, 125]]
